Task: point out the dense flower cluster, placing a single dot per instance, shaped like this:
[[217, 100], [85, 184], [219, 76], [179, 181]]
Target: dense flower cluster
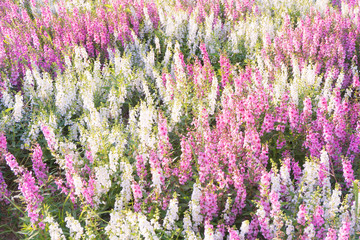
[[144, 119]]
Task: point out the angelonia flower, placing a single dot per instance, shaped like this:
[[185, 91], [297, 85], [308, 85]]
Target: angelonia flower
[[331, 234], [225, 68], [334, 202], [176, 110], [55, 231], [188, 230], [318, 220], [140, 166], [137, 195], [3, 145], [344, 231], [233, 234], [28, 188], [289, 230], [209, 231], [212, 97], [88, 190], [39, 167], [49, 136], [348, 172], [164, 144], [194, 204], [209, 203], [32, 196], [185, 164], [324, 167], [172, 214], [102, 182], [310, 231], [72, 179], [156, 172], [13, 164], [76, 230], [146, 229], [18, 107], [4, 192], [244, 227]]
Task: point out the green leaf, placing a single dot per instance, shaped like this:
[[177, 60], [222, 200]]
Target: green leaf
[[8, 110]]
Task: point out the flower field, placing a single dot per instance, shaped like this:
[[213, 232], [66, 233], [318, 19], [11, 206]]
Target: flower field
[[179, 119]]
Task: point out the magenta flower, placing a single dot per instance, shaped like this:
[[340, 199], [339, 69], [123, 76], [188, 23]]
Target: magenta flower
[[307, 111], [88, 190], [13, 164], [89, 156], [140, 167], [185, 171], [137, 195], [31, 193], [348, 172], [318, 220], [164, 145], [233, 235], [209, 206], [3, 145], [39, 167], [49, 136], [4, 192], [225, 70], [344, 232], [301, 216]]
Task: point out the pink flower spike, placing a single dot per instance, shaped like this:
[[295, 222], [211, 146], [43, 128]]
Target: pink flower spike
[[3, 145], [39, 167], [13, 164], [344, 232], [49, 136], [301, 217], [4, 192], [348, 172], [331, 234]]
